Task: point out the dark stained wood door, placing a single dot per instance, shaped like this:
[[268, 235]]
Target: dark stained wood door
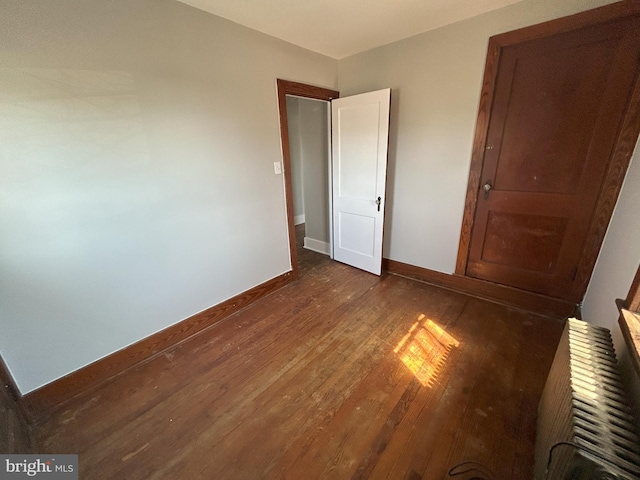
[[558, 110]]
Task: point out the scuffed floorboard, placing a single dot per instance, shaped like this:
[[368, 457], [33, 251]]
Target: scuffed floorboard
[[338, 375]]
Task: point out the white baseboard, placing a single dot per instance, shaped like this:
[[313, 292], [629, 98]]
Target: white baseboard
[[298, 219], [316, 245]]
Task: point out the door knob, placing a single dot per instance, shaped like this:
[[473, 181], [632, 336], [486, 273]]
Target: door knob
[[487, 187], [378, 202]]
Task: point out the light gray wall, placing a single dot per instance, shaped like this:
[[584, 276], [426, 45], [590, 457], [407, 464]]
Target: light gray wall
[[436, 79], [315, 154], [137, 141], [617, 264], [295, 152], [620, 255]]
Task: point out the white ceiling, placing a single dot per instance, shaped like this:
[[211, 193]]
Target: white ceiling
[[339, 28]]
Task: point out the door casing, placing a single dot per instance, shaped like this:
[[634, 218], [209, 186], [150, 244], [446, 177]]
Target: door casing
[[287, 87]]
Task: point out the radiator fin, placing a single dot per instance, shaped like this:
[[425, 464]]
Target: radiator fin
[[584, 403]]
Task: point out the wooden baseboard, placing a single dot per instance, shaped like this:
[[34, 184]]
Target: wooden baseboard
[[494, 292], [15, 432], [52, 396], [8, 384]]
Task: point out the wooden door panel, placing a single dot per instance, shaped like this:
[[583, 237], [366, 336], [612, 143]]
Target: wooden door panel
[[509, 233], [558, 107], [550, 123]]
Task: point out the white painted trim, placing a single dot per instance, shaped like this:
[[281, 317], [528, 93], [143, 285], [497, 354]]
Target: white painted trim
[[330, 167], [298, 219], [316, 245]]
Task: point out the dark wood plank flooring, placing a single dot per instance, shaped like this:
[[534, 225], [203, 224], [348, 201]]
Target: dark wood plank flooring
[[338, 375], [14, 432]]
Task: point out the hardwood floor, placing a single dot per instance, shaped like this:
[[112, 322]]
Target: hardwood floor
[[338, 375], [14, 431]]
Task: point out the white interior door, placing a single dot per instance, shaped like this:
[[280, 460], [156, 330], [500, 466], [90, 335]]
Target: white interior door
[[360, 134]]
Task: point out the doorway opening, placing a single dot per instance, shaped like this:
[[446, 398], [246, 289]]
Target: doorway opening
[[309, 148], [357, 180], [304, 122]]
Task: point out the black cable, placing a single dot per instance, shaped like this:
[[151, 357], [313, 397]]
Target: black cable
[[473, 467], [489, 475], [579, 447]]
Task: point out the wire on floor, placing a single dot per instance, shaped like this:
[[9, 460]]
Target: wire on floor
[[578, 447], [469, 467]]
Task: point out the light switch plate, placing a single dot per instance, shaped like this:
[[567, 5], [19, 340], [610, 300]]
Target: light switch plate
[[277, 168]]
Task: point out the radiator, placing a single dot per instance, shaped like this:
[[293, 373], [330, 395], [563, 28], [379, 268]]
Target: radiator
[[585, 426]]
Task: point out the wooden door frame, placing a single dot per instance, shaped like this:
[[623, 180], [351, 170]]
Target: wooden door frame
[[620, 156], [632, 302], [629, 321], [286, 87]]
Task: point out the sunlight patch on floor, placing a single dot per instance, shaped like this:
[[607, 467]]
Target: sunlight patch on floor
[[424, 349]]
